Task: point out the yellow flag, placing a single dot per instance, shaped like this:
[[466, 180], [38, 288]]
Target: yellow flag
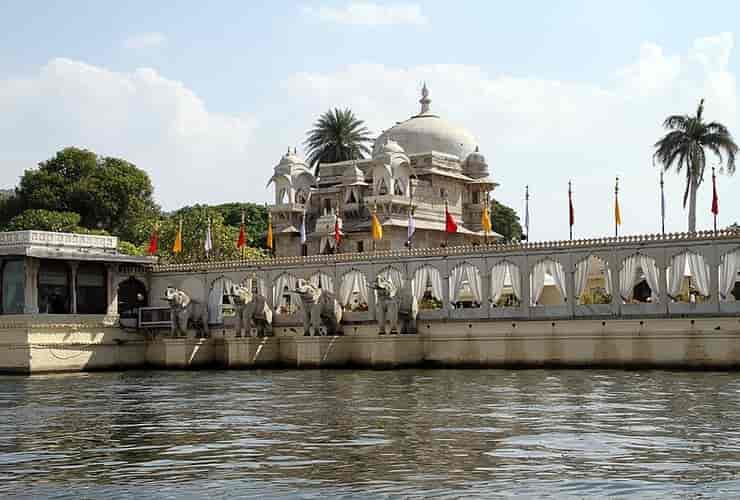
[[177, 246], [269, 233], [486, 220], [617, 213], [377, 229]]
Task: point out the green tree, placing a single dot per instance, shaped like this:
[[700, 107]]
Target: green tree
[[194, 224], [255, 220], [685, 147], [338, 135], [110, 194], [44, 220], [505, 221]]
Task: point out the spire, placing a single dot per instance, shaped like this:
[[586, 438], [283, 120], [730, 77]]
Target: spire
[[424, 101]]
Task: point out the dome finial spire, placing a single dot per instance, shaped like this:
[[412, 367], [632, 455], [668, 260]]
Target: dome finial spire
[[424, 101]]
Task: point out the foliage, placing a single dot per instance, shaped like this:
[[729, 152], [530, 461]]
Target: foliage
[[127, 248], [109, 193], [505, 221], [337, 135], [44, 220], [10, 206], [685, 147], [194, 224], [255, 220]]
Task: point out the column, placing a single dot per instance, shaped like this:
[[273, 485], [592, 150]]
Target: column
[[31, 295], [570, 284], [613, 264], [111, 280], [73, 286], [713, 263]]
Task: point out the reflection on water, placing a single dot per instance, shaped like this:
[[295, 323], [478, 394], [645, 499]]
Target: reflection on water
[[387, 434]]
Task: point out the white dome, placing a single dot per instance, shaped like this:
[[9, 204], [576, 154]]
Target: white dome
[[427, 132]]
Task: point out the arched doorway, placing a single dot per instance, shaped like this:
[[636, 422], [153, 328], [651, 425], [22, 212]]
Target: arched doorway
[[132, 295]]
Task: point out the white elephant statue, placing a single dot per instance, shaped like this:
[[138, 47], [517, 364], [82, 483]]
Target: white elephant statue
[[186, 313], [395, 310], [320, 307], [252, 311]]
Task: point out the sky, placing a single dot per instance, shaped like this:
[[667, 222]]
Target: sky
[[207, 96]]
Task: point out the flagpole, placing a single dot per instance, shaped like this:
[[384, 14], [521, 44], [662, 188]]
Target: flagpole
[[374, 214], [662, 205], [715, 206], [526, 210], [485, 229], [447, 235], [616, 205]]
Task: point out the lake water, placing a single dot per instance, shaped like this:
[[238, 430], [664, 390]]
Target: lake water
[[371, 434]]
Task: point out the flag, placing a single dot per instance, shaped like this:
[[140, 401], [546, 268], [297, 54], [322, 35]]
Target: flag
[[337, 230], [571, 212], [617, 212], [377, 228], [153, 242], [208, 244], [303, 229], [486, 220], [269, 231], [411, 226], [241, 242], [715, 198], [450, 224], [177, 245]]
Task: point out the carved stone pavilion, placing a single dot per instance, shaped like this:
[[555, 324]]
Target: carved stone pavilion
[[416, 165]]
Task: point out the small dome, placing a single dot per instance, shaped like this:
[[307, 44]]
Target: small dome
[[475, 165], [427, 132], [290, 162]]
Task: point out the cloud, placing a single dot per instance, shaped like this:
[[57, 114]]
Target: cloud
[[543, 132], [369, 14], [190, 152], [144, 41]]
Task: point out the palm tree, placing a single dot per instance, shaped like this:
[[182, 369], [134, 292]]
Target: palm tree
[[337, 135], [685, 147]]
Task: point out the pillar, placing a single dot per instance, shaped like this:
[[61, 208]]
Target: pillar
[[73, 266], [31, 295], [111, 280]]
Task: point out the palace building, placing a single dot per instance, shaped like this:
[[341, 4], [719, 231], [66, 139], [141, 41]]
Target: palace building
[[417, 166]]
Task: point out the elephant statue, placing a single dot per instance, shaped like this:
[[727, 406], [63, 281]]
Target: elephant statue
[[252, 311], [186, 313], [395, 310], [320, 307]]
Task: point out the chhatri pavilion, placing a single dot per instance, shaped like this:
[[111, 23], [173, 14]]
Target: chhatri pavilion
[[417, 165]]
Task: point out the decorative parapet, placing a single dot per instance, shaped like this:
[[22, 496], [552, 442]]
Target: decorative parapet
[[53, 239], [452, 251]]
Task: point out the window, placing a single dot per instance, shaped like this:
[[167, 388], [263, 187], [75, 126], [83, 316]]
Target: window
[[131, 296], [476, 197], [327, 205], [13, 287], [53, 291], [360, 246], [92, 296], [304, 250]]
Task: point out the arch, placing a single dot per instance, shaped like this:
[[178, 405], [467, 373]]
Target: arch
[[132, 295], [219, 295], [503, 273], [593, 281], [465, 286], [427, 287], [394, 275], [728, 275], [283, 298], [252, 280], [538, 279], [353, 291], [679, 287], [323, 281], [634, 269]]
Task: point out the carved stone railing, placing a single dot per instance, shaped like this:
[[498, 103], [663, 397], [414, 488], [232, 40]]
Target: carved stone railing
[[452, 251], [53, 239]]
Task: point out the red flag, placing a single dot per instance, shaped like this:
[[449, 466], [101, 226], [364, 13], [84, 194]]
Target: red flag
[[337, 230], [571, 212], [450, 224], [153, 242], [242, 241], [715, 198]]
